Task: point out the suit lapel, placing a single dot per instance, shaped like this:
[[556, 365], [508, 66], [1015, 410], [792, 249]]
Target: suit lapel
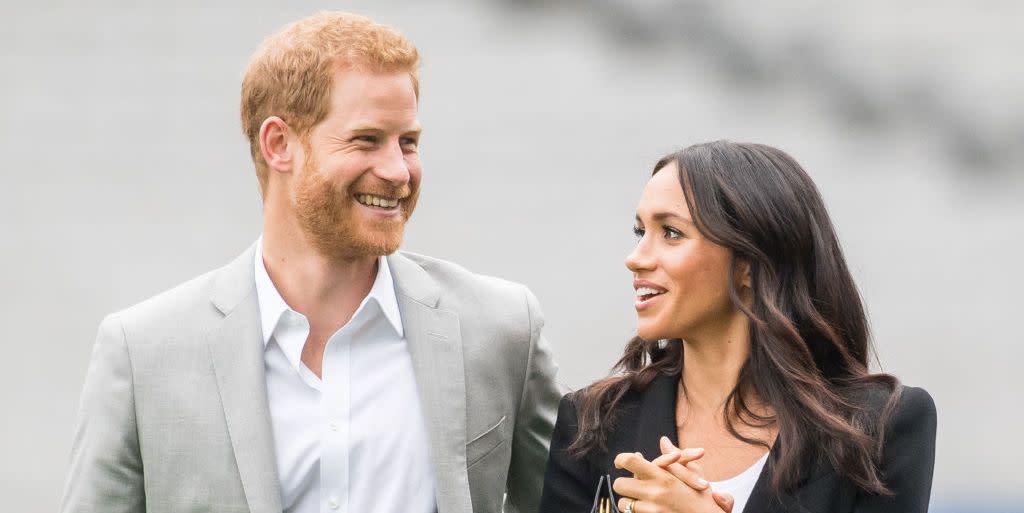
[[236, 347], [435, 345]]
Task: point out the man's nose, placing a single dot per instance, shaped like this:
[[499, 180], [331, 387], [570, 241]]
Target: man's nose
[[392, 166]]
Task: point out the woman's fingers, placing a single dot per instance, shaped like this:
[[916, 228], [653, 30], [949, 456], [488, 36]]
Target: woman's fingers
[[638, 507], [691, 478], [635, 463], [685, 468], [630, 487], [686, 455], [666, 445], [667, 459], [724, 501]]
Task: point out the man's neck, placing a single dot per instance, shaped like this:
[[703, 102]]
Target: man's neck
[[326, 291]]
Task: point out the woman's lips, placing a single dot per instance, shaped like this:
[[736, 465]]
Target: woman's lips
[[645, 302]]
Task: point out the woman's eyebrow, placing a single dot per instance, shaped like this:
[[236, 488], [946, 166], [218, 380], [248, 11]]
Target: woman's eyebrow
[[662, 216]]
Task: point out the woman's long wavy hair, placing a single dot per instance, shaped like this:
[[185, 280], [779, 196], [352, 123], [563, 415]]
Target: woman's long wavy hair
[[809, 339]]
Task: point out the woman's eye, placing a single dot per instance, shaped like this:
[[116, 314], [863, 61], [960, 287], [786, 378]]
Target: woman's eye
[[672, 233], [638, 232]]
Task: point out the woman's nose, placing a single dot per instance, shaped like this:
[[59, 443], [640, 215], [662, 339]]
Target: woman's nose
[[639, 259]]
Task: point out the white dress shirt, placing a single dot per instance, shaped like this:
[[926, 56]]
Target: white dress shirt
[[354, 441]]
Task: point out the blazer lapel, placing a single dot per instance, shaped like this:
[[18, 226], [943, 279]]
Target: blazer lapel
[[761, 499], [644, 419], [657, 415], [236, 347], [435, 345]]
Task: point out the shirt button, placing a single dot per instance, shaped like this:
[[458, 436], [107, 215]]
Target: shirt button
[[333, 503], [334, 426]]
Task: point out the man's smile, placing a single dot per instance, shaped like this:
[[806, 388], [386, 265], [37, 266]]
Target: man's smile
[[371, 200]]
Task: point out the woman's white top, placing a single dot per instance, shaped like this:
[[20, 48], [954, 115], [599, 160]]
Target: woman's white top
[[741, 486]]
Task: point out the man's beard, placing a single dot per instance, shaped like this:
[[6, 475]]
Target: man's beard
[[331, 222]]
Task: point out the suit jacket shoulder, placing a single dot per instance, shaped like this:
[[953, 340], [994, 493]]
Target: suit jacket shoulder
[[465, 288], [908, 454], [152, 400], [507, 312], [907, 432], [185, 312], [175, 311]]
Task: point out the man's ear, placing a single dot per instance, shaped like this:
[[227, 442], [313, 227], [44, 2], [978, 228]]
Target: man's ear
[[274, 138]]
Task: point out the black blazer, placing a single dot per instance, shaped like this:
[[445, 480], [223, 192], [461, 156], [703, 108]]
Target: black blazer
[[908, 458]]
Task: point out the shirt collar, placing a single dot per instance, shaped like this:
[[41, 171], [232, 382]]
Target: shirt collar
[[273, 306], [383, 291]]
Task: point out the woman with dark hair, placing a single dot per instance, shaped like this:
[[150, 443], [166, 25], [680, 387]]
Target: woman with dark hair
[[752, 351]]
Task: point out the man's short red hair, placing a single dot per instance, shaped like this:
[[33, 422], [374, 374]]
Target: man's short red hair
[[292, 73]]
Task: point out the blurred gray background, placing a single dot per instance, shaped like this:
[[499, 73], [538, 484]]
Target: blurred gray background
[[125, 173]]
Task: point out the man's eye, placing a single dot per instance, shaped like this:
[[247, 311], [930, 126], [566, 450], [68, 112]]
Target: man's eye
[[410, 143], [370, 139]]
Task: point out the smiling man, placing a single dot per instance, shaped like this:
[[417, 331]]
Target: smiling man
[[322, 370]]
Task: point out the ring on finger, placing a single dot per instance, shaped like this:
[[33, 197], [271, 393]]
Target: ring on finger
[[629, 507]]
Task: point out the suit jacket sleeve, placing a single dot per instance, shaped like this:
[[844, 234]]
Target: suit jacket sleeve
[[569, 483], [534, 420], [106, 466], [908, 458]]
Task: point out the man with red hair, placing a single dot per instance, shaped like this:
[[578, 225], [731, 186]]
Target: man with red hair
[[322, 370]]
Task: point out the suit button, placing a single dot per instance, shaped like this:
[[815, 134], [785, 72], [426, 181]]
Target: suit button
[[333, 503]]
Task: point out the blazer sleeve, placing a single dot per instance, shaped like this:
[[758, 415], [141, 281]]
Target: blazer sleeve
[[534, 420], [106, 466], [569, 483], [908, 457]]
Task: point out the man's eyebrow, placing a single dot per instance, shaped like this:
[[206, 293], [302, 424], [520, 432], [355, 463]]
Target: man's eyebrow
[[662, 216], [371, 129]]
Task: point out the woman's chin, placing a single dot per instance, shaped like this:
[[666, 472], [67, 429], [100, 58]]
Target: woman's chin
[[649, 333], [652, 333]]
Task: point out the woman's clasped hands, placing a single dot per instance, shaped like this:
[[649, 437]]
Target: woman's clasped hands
[[671, 483]]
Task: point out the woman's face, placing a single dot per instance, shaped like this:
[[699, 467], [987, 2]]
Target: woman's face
[[681, 279]]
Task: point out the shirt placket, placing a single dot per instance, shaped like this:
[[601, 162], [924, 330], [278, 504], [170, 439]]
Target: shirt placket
[[336, 407]]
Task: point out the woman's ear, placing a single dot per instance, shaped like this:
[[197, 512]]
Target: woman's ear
[[274, 139], [743, 273]]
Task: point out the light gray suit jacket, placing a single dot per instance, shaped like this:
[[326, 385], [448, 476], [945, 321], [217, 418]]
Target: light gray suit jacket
[[174, 413]]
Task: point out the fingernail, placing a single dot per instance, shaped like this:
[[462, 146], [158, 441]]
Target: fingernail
[[702, 482]]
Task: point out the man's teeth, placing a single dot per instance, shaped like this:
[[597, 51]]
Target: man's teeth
[[644, 291], [376, 201]]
